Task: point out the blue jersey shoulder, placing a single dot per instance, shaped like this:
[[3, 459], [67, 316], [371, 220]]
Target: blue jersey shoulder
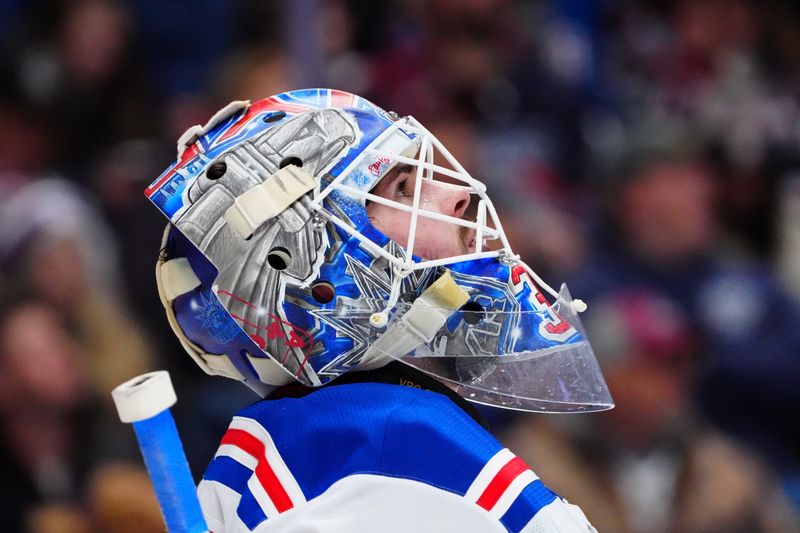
[[371, 428], [375, 428]]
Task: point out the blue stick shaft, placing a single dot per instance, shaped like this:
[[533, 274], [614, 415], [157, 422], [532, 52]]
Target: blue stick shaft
[[169, 471]]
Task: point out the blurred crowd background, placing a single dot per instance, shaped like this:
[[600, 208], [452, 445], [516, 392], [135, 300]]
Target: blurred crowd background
[[646, 152]]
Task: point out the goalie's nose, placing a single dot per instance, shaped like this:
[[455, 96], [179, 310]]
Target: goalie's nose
[[447, 199]]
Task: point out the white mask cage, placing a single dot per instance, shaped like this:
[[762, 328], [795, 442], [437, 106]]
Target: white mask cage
[[428, 164]]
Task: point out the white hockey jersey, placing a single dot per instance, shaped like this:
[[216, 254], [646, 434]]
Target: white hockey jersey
[[373, 457]]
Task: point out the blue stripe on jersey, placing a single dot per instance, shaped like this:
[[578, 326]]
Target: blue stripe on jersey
[[531, 499], [228, 472], [234, 475], [250, 511]]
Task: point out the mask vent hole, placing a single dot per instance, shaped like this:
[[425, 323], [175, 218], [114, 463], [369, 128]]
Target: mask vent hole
[[291, 160], [279, 258], [274, 117], [216, 170], [323, 292], [472, 312]]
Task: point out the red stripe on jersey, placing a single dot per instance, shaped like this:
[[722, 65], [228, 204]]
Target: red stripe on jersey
[[266, 476], [497, 486]]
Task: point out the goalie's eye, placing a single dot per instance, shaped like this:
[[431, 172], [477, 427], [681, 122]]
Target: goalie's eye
[[404, 182], [402, 187]]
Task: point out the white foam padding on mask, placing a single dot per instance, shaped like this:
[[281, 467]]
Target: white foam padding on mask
[[418, 325], [269, 371], [191, 348], [177, 277], [434, 306], [144, 396], [268, 199], [191, 135], [188, 345], [220, 365]]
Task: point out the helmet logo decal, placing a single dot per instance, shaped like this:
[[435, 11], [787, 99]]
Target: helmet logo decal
[[379, 166], [276, 330], [215, 320], [552, 326]]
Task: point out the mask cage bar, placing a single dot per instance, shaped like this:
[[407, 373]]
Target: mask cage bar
[[424, 151], [481, 224], [488, 232], [425, 169]]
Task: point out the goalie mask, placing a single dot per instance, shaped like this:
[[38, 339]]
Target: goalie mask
[[273, 270]]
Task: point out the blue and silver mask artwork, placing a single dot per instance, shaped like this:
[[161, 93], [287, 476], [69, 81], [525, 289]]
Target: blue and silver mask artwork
[[289, 279]]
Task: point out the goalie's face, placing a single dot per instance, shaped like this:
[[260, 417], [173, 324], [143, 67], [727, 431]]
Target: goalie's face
[[434, 239]]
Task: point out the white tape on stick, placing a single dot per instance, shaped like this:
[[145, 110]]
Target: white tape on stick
[[144, 396], [144, 403]]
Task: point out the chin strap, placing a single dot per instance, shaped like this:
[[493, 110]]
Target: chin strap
[[419, 324]]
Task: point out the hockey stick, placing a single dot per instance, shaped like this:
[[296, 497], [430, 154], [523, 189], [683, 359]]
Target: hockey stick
[[144, 402]]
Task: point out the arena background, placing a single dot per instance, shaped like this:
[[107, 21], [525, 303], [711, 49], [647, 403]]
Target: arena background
[[645, 152]]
